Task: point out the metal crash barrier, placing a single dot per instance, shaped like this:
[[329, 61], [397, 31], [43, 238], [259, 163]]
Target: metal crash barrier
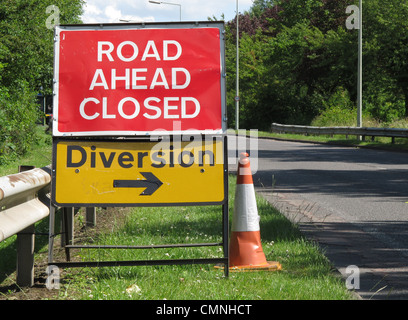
[[23, 202]]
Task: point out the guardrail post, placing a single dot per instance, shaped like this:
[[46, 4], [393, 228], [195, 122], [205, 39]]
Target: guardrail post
[[23, 202], [25, 249], [25, 257], [90, 217]]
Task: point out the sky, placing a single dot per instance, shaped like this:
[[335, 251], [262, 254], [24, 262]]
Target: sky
[[113, 11]]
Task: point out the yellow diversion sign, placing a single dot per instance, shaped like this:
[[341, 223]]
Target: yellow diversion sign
[[112, 173]]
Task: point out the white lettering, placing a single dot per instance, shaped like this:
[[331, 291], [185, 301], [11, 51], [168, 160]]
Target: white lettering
[[150, 107], [107, 51], [53, 277], [103, 83], [155, 82], [130, 108], [52, 20], [136, 78], [105, 114], [155, 54], [225, 309], [120, 54], [353, 21], [125, 78], [173, 310], [174, 78], [353, 280], [124, 53], [168, 107], [82, 109], [166, 44], [136, 104], [184, 107]]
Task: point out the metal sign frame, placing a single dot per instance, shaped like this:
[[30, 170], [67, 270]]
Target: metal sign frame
[[67, 228], [67, 244]]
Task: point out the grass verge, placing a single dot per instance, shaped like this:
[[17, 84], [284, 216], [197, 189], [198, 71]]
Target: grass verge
[[306, 274], [401, 144], [39, 155]]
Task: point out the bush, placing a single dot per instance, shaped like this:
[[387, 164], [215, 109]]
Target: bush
[[384, 105], [338, 111], [18, 116]]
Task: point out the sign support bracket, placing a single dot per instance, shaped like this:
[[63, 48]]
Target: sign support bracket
[[73, 264]]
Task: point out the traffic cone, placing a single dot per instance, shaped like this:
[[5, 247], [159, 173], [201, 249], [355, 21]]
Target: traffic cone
[[245, 248]]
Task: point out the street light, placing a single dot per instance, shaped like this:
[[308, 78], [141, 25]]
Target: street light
[[351, 24], [237, 78], [360, 67], [170, 3]]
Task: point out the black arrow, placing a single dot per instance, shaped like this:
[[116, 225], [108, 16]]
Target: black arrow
[[152, 183]]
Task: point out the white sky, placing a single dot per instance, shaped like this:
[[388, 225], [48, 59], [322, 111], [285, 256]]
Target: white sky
[[112, 11]]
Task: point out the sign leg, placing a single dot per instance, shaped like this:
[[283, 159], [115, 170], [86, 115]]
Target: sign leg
[[225, 222]]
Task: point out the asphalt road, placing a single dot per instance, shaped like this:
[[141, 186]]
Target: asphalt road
[[352, 201]]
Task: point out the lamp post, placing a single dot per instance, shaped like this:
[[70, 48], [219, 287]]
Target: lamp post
[[237, 78], [170, 3], [351, 24], [360, 67]]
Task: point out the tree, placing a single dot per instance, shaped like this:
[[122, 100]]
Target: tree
[[385, 28], [296, 55], [26, 66], [292, 62], [28, 41]]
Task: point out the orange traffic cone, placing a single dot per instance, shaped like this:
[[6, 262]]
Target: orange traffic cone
[[246, 253]]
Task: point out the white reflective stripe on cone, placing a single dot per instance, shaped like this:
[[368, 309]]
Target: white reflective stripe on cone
[[246, 216]]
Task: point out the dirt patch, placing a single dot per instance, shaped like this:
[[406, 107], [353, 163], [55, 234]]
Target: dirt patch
[[107, 219]]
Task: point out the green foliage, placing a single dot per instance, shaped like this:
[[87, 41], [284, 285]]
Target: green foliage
[[338, 111], [17, 123], [387, 46], [298, 62], [26, 67], [306, 272], [27, 42]]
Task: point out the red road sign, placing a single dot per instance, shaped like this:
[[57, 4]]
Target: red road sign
[[121, 80]]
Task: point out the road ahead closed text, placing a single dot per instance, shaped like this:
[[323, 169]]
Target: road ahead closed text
[[138, 81]]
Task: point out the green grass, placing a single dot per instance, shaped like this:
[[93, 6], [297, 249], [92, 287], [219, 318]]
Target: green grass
[[401, 144], [306, 274], [39, 155], [348, 120]]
